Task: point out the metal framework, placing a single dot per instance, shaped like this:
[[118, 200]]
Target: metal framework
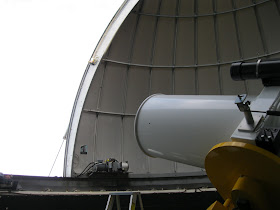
[[217, 44], [195, 46], [101, 48], [192, 66], [238, 38], [109, 113], [150, 68], [176, 57], [260, 28], [203, 15]]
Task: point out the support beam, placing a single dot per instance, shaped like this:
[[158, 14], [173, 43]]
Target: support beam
[[195, 46], [108, 113], [178, 2], [203, 15], [214, 4], [260, 28], [191, 66], [150, 68], [238, 38]]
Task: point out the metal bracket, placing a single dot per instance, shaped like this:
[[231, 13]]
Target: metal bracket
[[269, 139], [83, 149], [93, 60], [246, 127], [244, 107]]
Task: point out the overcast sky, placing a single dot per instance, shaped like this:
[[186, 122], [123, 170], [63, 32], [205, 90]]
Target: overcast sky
[[44, 49]]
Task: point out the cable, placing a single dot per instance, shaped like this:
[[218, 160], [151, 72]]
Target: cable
[[272, 113], [259, 111], [86, 169], [89, 173], [56, 156]]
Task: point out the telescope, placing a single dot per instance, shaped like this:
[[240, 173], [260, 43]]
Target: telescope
[[229, 136], [184, 128]]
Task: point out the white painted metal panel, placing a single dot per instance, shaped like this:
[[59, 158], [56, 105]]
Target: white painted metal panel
[[159, 77], [208, 81], [86, 136], [91, 101], [131, 151], [204, 7], [123, 40], [160, 166], [230, 87], [206, 41], [168, 7], [249, 33], [112, 92], [185, 42], [223, 5], [164, 44], [108, 144], [227, 38], [142, 50], [137, 88], [186, 8], [184, 81], [271, 29]]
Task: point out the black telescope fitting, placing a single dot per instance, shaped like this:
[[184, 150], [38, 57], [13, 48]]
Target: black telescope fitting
[[267, 70]]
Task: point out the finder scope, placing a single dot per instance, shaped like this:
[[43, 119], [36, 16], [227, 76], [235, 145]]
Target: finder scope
[[267, 70]]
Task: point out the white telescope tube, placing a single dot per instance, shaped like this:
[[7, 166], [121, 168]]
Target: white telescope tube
[[184, 128]]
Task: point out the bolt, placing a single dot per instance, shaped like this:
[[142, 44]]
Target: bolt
[[248, 103]]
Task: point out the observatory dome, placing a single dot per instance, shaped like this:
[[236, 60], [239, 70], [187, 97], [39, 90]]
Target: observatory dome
[[178, 47]]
